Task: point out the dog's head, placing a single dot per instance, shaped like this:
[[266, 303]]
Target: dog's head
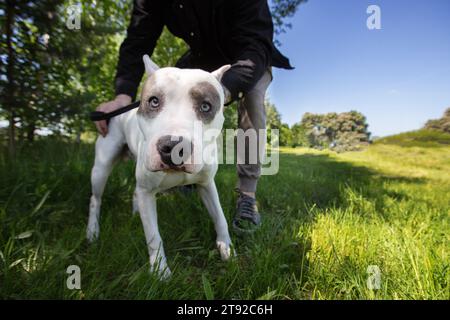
[[180, 116]]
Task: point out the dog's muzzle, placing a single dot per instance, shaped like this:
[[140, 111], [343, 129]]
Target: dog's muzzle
[[174, 151]]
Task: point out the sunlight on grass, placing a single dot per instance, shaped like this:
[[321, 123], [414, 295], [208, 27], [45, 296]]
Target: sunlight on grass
[[404, 231]]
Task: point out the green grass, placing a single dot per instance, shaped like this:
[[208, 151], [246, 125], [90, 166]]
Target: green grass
[[421, 138], [327, 218]]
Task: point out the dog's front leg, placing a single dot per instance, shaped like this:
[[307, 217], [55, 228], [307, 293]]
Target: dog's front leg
[[210, 198], [147, 210], [135, 208]]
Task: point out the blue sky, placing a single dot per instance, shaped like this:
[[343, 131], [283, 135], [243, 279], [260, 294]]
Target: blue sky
[[398, 76]]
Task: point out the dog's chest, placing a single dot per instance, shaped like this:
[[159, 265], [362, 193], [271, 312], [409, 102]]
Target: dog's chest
[[161, 181], [171, 180]]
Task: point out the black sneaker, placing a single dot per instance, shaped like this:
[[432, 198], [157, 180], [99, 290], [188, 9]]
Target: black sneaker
[[247, 218]]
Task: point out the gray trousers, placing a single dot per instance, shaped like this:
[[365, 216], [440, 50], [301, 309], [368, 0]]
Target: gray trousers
[[252, 115]]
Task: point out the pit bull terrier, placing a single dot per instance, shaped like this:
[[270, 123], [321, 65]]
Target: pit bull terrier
[[160, 135]]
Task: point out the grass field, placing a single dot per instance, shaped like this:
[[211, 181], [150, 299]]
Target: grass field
[[327, 218]]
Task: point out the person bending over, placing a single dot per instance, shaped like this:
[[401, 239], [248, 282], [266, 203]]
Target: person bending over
[[218, 32]]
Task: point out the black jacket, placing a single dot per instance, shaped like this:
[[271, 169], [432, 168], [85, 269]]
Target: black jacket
[[218, 32]]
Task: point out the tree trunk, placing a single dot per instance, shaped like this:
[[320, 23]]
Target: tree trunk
[[9, 97], [79, 132], [30, 132], [12, 134]]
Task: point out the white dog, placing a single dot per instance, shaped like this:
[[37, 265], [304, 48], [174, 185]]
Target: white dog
[[161, 136]]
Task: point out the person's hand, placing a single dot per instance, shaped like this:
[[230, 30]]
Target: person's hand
[[120, 101]]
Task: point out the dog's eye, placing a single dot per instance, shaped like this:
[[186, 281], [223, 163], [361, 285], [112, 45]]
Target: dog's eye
[[205, 107], [153, 102]]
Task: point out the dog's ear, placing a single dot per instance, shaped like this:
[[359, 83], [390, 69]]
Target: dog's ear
[[150, 66], [221, 71]]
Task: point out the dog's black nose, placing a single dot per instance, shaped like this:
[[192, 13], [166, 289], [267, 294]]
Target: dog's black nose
[[174, 151]]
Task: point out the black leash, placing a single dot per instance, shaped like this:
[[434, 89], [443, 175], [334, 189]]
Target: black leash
[[99, 115]]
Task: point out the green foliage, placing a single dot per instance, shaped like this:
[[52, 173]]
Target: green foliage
[[299, 137], [286, 136], [273, 117], [345, 131], [273, 122], [442, 124], [294, 136], [58, 74], [168, 50], [231, 116], [327, 217]]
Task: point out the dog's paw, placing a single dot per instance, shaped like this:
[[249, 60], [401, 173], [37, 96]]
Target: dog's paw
[[225, 249], [165, 274]]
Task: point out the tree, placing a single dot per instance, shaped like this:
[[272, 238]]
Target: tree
[[299, 137], [273, 121], [273, 117], [341, 132], [55, 75], [282, 10], [286, 137]]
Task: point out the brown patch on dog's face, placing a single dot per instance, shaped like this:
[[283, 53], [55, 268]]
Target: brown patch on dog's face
[[153, 101], [206, 101]]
